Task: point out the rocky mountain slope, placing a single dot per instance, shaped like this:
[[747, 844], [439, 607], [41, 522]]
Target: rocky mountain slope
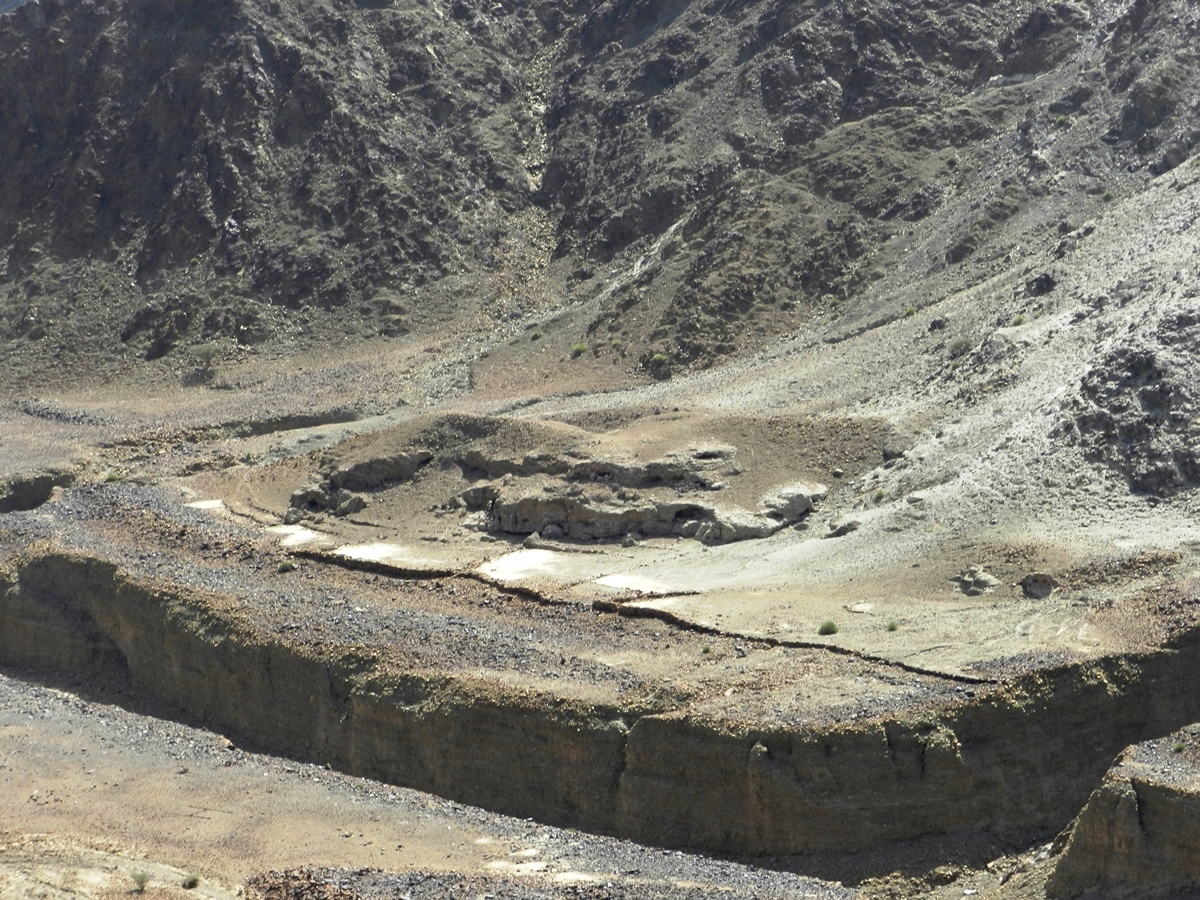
[[667, 182]]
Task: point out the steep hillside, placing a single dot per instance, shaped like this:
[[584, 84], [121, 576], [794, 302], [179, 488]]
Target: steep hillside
[[682, 179]]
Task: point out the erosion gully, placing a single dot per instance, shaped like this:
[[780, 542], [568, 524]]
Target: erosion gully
[[1016, 760]]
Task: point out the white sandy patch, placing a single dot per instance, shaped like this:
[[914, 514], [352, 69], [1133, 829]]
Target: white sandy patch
[[295, 535], [206, 504], [527, 868], [626, 581], [379, 552], [527, 563]]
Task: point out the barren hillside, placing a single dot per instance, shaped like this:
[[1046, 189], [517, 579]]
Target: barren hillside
[[757, 429]]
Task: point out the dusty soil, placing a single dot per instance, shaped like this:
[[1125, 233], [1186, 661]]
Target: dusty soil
[[95, 793]]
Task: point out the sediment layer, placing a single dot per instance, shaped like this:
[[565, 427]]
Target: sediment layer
[[1017, 759]]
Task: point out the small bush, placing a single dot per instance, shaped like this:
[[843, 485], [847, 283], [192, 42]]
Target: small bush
[[1018, 319], [706, 649], [893, 625], [286, 566], [1177, 747], [140, 880], [658, 365], [204, 369], [536, 336], [578, 350], [1062, 122], [910, 312], [958, 347], [879, 495], [1107, 196], [828, 627], [190, 881], [111, 477]]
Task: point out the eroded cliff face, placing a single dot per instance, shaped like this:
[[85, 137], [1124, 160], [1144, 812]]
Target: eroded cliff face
[[1139, 835], [1018, 760]]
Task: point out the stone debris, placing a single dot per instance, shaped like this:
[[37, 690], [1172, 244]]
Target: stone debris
[[315, 499], [843, 527]]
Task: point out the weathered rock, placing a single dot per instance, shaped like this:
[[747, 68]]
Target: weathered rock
[[975, 581], [794, 500], [1038, 585], [349, 503], [529, 509], [372, 474], [314, 499], [726, 526], [479, 496]]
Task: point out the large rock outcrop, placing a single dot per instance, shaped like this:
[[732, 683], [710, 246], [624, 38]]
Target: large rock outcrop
[[1139, 835]]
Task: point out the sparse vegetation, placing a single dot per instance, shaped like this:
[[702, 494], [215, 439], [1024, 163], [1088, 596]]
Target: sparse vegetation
[[190, 882], [578, 350], [536, 336], [1177, 747], [893, 625], [140, 880], [1062, 122], [706, 649], [1018, 319], [1107, 196], [286, 566], [111, 476], [910, 312], [828, 627], [879, 494], [958, 347], [204, 358], [658, 364]]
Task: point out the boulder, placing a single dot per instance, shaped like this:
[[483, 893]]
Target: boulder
[[975, 581], [1038, 585], [792, 501]]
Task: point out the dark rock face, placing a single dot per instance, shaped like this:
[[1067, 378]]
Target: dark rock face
[[286, 154], [1136, 408], [707, 174]]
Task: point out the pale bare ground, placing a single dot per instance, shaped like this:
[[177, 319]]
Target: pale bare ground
[[111, 780]]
